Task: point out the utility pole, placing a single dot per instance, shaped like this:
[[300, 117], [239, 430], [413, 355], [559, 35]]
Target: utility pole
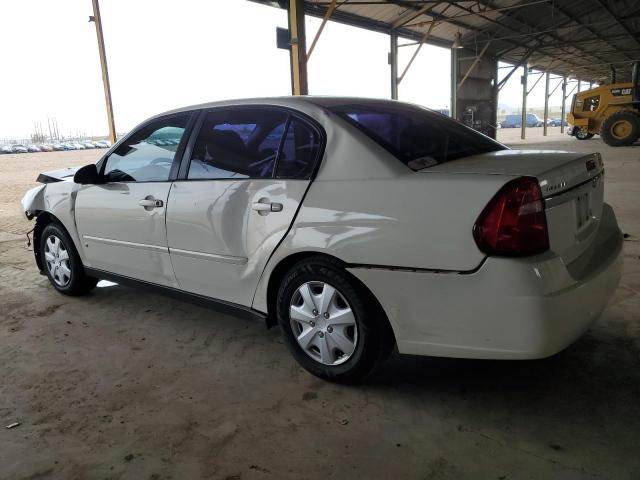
[[105, 72]]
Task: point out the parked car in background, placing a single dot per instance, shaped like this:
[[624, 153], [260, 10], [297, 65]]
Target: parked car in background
[[5, 149], [104, 143], [258, 212], [46, 148], [557, 122], [57, 147], [88, 145], [78, 146], [33, 148], [515, 121], [19, 149]]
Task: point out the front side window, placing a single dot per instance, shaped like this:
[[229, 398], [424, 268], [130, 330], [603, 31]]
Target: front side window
[[148, 154], [418, 137], [590, 104], [240, 143]]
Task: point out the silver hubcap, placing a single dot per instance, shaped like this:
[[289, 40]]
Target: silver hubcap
[[323, 323], [57, 259]]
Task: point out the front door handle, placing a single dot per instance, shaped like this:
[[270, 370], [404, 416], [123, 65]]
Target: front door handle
[[150, 202], [263, 206]]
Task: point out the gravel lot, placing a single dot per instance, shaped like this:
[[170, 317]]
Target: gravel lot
[[124, 384]]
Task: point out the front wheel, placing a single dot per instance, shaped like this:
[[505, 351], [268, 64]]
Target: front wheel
[[583, 134], [331, 324], [62, 262]]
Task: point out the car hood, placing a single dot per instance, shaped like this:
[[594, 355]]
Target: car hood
[[62, 175]]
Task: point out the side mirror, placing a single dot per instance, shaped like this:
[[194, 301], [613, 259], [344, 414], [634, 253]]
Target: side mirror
[[88, 175]]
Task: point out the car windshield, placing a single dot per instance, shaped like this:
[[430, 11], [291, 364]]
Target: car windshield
[[418, 137]]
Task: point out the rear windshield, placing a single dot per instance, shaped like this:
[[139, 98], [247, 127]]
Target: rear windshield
[[418, 137]]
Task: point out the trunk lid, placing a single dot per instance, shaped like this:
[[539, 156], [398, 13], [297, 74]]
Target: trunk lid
[[571, 183]]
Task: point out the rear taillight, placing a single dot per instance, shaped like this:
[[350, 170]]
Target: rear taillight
[[514, 222]]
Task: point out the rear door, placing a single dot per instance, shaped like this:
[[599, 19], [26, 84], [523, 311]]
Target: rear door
[[243, 178], [122, 222]]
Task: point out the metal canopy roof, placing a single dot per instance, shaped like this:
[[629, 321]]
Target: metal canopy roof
[[582, 38]]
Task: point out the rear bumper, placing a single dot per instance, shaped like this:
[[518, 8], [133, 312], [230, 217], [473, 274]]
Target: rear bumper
[[507, 309]]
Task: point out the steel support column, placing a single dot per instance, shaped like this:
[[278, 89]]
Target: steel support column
[[454, 84], [564, 99], [299, 85], [546, 104], [393, 63], [523, 127], [105, 71]]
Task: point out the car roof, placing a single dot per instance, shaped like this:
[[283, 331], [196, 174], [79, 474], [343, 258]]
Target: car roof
[[290, 101]]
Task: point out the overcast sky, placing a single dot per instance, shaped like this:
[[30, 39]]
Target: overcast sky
[[164, 54]]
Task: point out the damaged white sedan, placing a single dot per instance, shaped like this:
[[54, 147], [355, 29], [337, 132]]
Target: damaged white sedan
[[355, 225]]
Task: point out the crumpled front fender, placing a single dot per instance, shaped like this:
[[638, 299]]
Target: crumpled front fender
[[33, 201]]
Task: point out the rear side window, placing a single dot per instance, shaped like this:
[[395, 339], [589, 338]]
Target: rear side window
[[418, 137], [240, 143], [253, 143], [300, 149]]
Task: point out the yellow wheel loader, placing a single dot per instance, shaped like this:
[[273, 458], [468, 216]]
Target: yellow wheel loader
[[611, 111]]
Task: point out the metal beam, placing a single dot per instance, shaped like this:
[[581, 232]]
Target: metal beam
[[105, 71], [424, 39], [546, 104], [325, 19], [393, 63], [454, 84], [410, 14], [473, 65], [556, 87], [564, 100], [299, 85], [522, 61], [606, 8], [578, 21], [535, 83], [523, 127]]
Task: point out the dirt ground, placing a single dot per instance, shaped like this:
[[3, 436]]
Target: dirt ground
[[124, 384]]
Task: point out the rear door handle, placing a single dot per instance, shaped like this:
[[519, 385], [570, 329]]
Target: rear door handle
[[150, 202], [263, 207]]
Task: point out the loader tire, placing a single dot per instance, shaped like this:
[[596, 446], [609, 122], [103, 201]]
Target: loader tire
[[621, 129]]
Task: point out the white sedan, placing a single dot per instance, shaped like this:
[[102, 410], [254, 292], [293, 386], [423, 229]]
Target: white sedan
[[357, 226]]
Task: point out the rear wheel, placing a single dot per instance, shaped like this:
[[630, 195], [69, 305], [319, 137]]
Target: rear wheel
[[621, 129], [331, 324], [583, 134], [62, 263]]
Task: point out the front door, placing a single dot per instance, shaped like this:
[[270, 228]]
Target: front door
[[248, 172], [122, 222]]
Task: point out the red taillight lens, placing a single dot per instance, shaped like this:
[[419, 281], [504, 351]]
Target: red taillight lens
[[514, 222]]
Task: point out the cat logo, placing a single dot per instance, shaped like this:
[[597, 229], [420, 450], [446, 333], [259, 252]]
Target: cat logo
[[619, 92]]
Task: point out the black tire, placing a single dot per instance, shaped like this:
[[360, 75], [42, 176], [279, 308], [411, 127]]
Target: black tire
[[583, 135], [374, 335], [76, 282], [615, 136]]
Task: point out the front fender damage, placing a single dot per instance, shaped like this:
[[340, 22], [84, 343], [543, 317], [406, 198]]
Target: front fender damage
[[33, 201]]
